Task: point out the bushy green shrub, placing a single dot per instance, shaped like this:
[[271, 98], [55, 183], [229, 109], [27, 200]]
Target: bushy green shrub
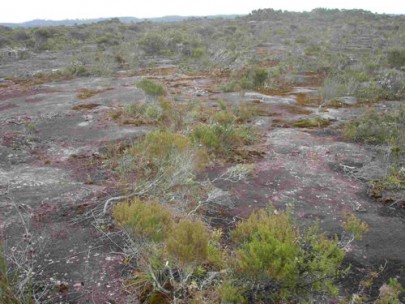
[[230, 294], [396, 58], [144, 220], [390, 293], [151, 87], [385, 128], [392, 84], [153, 43], [159, 146], [268, 247], [165, 160], [188, 242], [270, 251], [222, 139], [378, 128], [148, 111], [76, 68], [355, 226], [253, 77]]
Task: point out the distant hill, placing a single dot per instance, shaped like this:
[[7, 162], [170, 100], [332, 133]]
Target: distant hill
[[72, 22]]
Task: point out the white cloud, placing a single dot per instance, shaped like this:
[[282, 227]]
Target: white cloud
[[24, 10]]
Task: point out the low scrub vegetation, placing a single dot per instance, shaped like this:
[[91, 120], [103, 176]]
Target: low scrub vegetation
[[151, 87], [269, 260], [222, 140], [378, 127], [144, 220], [275, 260], [387, 129]]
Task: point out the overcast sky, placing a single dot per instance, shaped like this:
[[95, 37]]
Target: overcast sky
[[24, 10]]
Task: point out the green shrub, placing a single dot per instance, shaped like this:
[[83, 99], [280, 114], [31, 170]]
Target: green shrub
[[259, 77], [223, 118], [188, 242], [145, 220], [222, 139], [215, 254], [386, 128], [7, 294], [392, 84], [394, 180], [355, 226], [160, 146], [165, 160], [268, 247], [153, 43], [148, 112], [230, 294], [151, 87], [198, 52], [396, 58], [271, 251], [252, 78], [76, 68], [231, 86], [390, 293], [378, 128], [136, 109], [153, 111]]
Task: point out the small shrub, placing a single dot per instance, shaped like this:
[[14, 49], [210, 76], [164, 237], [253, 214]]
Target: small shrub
[[215, 255], [76, 68], [198, 53], [136, 109], [268, 247], [272, 252], [355, 226], [153, 111], [390, 293], [145, 220], [188, 242], [259, 77], [7, 294], [392, 84], [378, 128], [230, 294], [254, 77], [394, 181], [223, 118], [159, 146], [222, 139], [232, 86], [244, 113], [396, 58], [166, 160], [151, 87], [153, 43]]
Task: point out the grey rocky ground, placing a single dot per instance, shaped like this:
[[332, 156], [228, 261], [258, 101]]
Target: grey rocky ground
[[51, 175]]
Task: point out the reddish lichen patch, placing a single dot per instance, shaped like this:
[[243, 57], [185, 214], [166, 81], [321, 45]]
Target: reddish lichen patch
[[34, 100], [8, 106], [17, 91], [84, 107], [88, 93]]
